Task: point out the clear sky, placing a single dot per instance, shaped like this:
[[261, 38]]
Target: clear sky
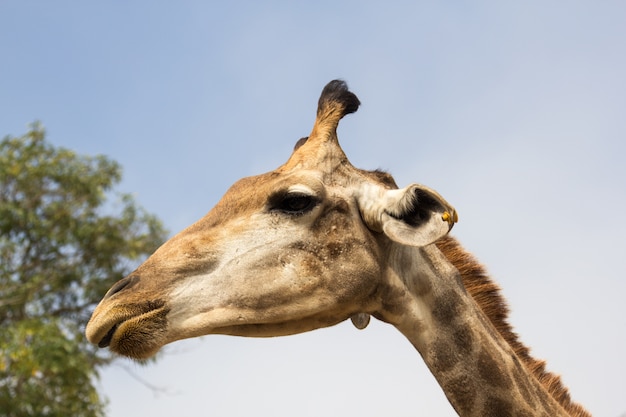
[[514, 111]]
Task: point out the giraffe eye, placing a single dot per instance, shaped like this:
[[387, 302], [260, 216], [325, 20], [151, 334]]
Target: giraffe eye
[[294, 203]]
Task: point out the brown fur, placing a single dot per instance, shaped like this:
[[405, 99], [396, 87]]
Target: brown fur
[[487, 295]]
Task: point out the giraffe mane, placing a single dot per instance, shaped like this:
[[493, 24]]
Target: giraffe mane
[[487, 294]]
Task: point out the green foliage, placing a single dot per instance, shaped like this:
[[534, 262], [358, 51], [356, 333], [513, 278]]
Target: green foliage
[[63, 243], [44, 372]]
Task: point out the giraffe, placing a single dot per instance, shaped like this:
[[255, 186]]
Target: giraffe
[[318, 241]]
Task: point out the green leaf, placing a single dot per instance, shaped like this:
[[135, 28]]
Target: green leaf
[[65, 237]]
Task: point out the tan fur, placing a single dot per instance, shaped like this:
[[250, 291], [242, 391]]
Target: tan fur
[[488, 296], [259, 265]]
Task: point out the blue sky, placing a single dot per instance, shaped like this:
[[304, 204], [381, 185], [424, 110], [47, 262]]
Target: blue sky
[[514, 112]]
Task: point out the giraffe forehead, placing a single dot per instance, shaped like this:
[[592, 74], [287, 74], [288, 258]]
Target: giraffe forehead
[[252, 194]]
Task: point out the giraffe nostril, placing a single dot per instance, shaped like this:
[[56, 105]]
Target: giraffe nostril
[[122, 284]]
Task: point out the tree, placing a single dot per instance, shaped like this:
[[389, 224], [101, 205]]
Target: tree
[[65, 238]]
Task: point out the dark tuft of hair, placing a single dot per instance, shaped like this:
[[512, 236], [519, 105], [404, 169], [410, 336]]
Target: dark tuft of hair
[[300, 142], [384, 177], [336, 92]]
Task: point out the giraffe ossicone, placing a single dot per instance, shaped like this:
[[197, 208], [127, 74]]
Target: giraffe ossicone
[[318, 241]]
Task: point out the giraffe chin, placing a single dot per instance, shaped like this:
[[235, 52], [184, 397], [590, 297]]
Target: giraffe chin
[[141, 337], [138, 337]]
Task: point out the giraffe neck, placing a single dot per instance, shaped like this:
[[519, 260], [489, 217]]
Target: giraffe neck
[[477, 369]]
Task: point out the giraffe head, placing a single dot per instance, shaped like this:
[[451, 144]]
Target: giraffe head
[[302, 247]]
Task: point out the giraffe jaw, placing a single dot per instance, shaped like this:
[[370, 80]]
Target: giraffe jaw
[[138, 331]]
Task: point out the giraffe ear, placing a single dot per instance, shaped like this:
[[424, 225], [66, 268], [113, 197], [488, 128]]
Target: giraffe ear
[[416, 215]]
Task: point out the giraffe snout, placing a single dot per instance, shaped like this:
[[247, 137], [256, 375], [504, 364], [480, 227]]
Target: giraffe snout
[[122, 284]]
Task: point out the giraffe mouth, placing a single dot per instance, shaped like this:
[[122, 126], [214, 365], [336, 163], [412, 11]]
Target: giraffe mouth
[[135, 330], [106, 340]]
